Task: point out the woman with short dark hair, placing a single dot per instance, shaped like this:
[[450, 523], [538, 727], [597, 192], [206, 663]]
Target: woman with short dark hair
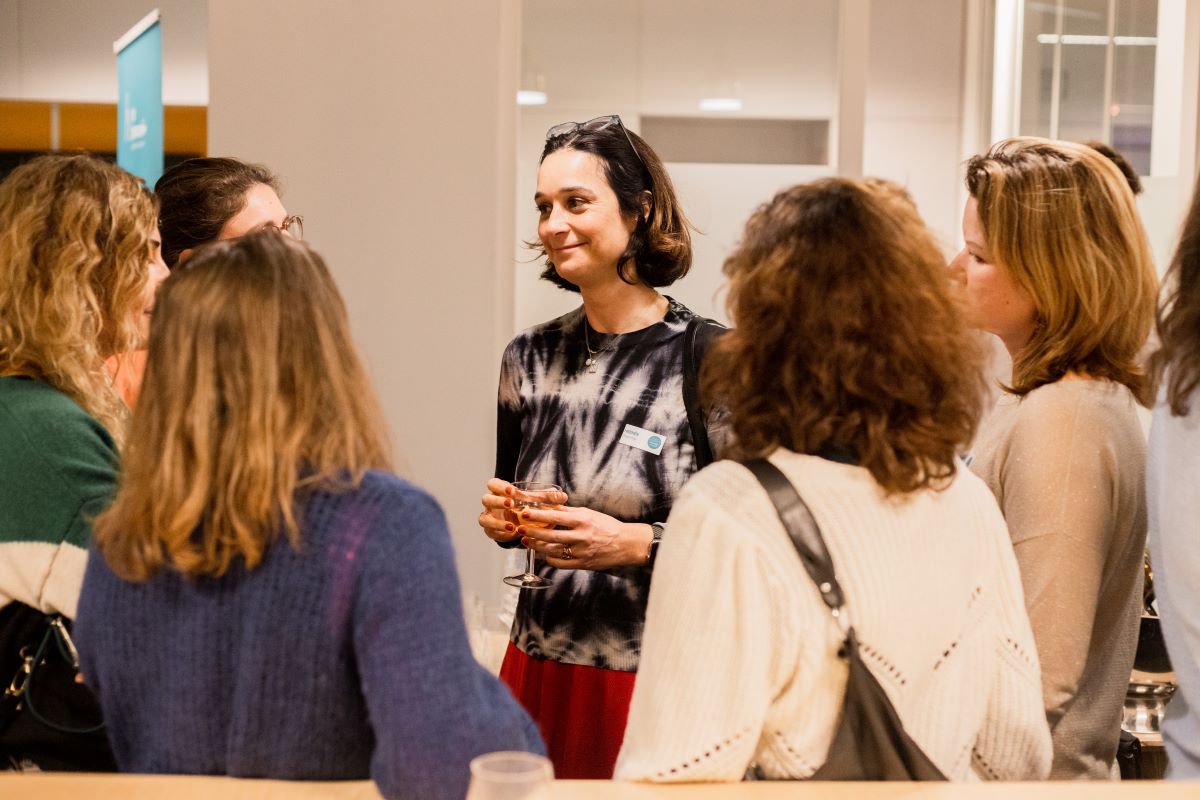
[[852, 370], [593, 402]]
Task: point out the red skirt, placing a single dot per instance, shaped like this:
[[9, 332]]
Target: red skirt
[[580, 710]]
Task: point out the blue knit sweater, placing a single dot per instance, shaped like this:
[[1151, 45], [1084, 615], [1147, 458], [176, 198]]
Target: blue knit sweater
[[346, 660]]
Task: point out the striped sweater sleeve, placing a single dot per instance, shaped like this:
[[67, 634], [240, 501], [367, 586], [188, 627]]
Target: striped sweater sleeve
[[59, 470]]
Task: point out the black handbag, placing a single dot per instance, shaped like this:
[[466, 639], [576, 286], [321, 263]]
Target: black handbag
[[870, 743], [48, 719]]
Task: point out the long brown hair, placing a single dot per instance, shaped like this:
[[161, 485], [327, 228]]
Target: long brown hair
[[254, 393], [74, 261], [1179, 318], [847, 336], [1061, 219]]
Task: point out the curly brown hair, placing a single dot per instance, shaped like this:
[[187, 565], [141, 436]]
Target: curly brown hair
[[847, 336]]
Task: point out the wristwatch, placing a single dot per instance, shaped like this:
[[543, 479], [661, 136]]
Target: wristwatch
[[652, 552]]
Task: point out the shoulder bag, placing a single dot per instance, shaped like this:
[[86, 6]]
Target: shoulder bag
[[48, 719]]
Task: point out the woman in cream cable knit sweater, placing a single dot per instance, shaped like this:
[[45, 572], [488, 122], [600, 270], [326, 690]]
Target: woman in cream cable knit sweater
[[853, 369]]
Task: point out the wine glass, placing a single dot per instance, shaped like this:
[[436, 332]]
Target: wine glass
[[510, 775], [531, 494]]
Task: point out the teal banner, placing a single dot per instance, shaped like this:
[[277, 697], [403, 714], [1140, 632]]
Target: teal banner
[[139, 104]]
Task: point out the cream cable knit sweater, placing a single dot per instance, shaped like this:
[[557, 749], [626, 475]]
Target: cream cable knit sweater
[[739, 662]]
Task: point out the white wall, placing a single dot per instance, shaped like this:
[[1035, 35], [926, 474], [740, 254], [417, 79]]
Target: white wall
[[914, 105], [392, 124], [61, 50], [1176, 133]]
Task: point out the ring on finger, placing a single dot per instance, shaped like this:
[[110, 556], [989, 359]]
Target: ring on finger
[[567, 555]]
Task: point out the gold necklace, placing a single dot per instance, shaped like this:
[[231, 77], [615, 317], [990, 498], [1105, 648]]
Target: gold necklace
[[590, 363]]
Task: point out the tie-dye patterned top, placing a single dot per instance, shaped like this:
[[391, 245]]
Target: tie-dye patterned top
[[560, 422]]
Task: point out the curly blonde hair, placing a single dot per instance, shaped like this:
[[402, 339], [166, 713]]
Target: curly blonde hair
[[74, 261], [847, 337]]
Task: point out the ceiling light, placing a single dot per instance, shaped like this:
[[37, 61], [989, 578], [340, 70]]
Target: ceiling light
[[1075, 38], [528, 97], [721, 104]]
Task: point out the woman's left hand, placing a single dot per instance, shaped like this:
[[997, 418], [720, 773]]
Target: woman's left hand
[[588, 539]]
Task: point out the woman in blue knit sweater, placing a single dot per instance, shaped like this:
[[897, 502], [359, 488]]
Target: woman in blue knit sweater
[[266, 599]]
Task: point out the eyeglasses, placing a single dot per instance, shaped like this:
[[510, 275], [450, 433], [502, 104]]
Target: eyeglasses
[[597, 124], [293, 226]]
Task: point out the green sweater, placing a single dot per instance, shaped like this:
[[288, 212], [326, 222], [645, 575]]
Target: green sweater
[[58, 470]]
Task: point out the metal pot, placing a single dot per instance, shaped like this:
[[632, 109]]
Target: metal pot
[[1145, 704]]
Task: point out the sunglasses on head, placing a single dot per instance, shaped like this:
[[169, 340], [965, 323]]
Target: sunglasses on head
[[597, 124]]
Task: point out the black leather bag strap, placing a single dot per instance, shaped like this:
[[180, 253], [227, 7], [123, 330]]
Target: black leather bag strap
[[798, 521], [697, 336]]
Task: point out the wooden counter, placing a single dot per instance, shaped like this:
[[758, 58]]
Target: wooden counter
[[62, 786]]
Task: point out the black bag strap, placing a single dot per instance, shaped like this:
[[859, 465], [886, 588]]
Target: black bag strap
[[700, 332], [805, 534]]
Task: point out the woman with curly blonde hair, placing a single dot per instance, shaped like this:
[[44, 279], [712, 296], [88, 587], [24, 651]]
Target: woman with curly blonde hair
[[79, 264], [1057, 265], [852, 370]]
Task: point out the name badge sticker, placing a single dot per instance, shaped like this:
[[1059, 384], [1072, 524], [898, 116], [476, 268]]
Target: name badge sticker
[[643, 439]]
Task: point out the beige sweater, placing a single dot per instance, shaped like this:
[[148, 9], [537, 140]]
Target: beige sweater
[[740, 664], [1067, 464]]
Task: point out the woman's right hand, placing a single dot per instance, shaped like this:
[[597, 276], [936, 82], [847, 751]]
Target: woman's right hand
[[497, 519]]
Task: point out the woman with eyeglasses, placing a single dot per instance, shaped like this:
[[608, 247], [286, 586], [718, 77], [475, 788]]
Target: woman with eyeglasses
[[265, 599], [206, 200], [593, 402], [209, 199]]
